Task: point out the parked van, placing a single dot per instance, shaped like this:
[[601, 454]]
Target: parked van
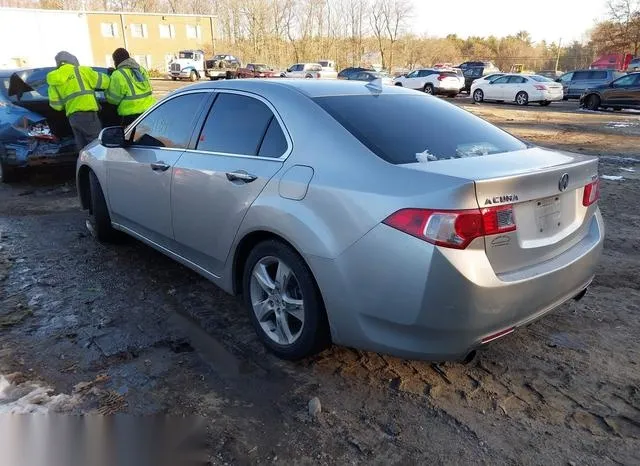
[[576, 82]]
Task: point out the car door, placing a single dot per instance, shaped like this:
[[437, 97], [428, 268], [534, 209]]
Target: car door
[[512, 87], [139, 175], [242, 145], [495, 90], [579, 82], [408, 79], [565, 80], [621, 91]]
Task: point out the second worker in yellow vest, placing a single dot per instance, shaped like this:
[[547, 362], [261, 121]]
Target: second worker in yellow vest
[[129, 87]]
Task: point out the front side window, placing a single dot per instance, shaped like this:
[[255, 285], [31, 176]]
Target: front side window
[[502, 80], [169, 125], [626, 81], [238, 124], [517, 80], [565, 78], [416, 128]]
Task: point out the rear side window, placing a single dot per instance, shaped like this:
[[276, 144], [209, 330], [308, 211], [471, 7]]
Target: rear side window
[[171, 124], [416, 128], [580, 75], [236, 124], [598, 75], [516, 80], [274, 143]]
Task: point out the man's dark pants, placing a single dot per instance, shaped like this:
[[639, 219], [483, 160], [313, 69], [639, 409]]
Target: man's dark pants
[[86, 127]]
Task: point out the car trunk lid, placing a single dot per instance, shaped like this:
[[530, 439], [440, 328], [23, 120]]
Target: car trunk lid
[[546, 191]]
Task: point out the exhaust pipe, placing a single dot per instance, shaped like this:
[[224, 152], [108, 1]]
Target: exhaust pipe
[[580, 295]]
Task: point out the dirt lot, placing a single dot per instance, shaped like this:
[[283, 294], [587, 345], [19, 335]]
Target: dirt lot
[[114, 329]]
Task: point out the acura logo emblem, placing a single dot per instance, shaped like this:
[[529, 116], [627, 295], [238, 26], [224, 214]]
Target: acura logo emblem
[[564, 182]]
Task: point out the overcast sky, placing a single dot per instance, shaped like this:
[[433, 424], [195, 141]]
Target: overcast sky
[[544, 19]]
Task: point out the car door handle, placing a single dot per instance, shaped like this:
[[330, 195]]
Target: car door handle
[[241, 175], [160, 166]]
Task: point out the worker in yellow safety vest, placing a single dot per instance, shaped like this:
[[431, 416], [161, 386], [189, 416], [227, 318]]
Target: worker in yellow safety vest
[[130, 88], [72, 88]]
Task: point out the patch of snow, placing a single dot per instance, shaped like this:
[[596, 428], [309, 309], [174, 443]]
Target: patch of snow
[[425, 157], [612, 177], [30, 398]]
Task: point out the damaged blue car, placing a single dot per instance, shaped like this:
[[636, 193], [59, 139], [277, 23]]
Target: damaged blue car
[[31, 132]]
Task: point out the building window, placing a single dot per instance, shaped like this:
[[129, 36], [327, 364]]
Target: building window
[[139, 30], [167, 31], [109, 29], [143, 60], [193, 31]]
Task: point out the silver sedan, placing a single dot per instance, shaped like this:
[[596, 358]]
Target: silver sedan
[[364, 215]]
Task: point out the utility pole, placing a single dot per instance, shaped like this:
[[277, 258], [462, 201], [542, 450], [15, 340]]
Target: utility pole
[[124, 32], [558, 56]]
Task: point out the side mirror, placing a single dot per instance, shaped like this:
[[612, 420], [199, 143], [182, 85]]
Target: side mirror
[[112, 136]]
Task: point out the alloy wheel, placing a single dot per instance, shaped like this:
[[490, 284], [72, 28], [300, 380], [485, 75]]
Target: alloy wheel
[[276, 300]]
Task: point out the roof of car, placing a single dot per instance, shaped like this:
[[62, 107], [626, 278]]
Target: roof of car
[[310, 87]]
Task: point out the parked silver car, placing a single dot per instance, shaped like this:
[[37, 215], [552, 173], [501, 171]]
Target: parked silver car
[[374, 217]]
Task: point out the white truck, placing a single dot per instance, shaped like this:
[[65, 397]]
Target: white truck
[[188, 65], [311, 70], [191, 64]]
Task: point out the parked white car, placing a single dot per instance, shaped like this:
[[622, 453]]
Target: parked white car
[[309, 71], [518, 88], [484, 79], [432, 81]]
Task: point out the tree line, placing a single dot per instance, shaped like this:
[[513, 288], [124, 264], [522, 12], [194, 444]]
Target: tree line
[[370, 32]]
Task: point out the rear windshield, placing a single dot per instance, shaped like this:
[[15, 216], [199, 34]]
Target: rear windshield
[[416, 128], [540, 79]]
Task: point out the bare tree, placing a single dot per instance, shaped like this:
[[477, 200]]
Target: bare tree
[[625, 18], [377, 20], [395, 14]]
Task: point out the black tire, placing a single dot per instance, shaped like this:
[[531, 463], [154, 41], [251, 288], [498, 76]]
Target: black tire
[[308, 77], [545, 103], [617, 109], [193, 76], [173, 78], [314, 334], [478, 96], [522, 98], [452, 95], [428, 89], [592, 102], [399, 84], [99, 221]]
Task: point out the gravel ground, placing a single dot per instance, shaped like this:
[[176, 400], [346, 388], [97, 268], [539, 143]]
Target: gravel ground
[[88, 328]]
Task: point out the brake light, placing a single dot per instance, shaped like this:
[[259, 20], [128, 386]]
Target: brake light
[[441, 77], [453, 228], [540, 87], [591, 193]]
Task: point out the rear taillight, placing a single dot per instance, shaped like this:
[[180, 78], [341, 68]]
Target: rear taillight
[[453, 228], [441, 77], [591, 193], [540, 87]]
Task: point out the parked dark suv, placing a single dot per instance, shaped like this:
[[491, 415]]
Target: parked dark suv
[[476, 72], [576, 82], [622, 93]]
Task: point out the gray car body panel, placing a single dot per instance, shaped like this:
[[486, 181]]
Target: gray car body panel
[[327, 197]]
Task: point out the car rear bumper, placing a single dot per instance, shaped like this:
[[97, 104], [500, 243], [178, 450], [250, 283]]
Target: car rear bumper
[[447, 89], [393, 293]]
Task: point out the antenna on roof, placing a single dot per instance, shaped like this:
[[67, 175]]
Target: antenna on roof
[[375, 85]]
